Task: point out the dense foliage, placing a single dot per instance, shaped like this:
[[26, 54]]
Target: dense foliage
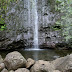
[[64, 7], [3, 10]]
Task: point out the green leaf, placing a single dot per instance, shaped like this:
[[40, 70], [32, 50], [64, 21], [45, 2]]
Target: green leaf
[[59, 8], [69, 1], [2, 27], [62, 3], [58, 1], [63, 17], [55, 7], [58, 22], [2, 21], [68, 37]]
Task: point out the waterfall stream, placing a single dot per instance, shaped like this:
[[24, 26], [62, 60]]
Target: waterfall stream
[[33, 20], [35, 24], [34, 15]]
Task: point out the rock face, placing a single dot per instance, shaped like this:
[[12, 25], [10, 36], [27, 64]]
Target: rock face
[[29, 63], [14, 60], [56, 71], [42, 66], [20, 25], [2, 66], [11, 71], [7, 44], [1, 59], [22, 70], [4, 70]]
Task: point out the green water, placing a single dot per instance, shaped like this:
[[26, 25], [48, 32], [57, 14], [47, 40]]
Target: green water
[[40, 54]]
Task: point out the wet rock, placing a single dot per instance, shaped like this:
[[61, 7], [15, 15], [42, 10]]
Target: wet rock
[[2, 66], [4, 70], [12, 43], [70, 70], [1, 59], [11, 71], [62, 46], [22, 70], [14, 60], [42, 66], [29, 63], [55, 57], [15, 45], [4, 44], [63, 63], [49, 45], [56, 71]]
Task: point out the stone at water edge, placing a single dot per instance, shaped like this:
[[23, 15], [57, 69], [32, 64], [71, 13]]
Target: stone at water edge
[[42, 66], [4, 70], [1, 59], [14, 60], [68, 70], [29, 63], [11, 71], [22, 70], [2, 66], [63, 64], [56, 71]]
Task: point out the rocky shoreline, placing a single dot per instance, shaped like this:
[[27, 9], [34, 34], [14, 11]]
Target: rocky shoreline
[[15, 62]]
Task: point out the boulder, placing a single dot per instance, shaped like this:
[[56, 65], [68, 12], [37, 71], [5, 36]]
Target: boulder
[[14, 60], [63, 64], [2, 66], [29, 63], [22, 70], [1, 59], [42, 66], [4, 70]]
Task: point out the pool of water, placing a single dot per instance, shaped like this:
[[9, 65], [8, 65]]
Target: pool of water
[[42, 54]]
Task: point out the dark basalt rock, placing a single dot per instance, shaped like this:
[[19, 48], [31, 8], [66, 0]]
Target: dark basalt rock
[[47, 46], [12, 45]]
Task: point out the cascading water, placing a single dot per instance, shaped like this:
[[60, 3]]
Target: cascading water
[[35, 24], [33, 19]]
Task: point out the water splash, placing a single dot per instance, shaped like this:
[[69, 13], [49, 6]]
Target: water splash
[[33, 49]]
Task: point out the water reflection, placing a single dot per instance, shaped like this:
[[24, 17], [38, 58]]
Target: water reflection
[[35, 55], [41, 54]]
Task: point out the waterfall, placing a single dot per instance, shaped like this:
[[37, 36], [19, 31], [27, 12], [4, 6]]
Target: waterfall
[[29, 13], [33, 21], [35, 24]]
